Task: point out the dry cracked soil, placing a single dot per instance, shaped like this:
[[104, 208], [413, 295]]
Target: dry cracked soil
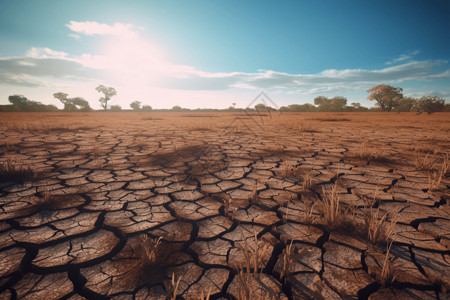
[[230, 205]]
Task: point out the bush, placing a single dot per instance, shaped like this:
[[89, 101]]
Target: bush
[[428, 104]]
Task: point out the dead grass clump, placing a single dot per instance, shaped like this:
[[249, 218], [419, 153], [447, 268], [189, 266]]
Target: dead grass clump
[[370, 153], [299, 125], [334, 215], [12, 170], [289, 256], [422, 162], [435, 178], [45, 127], [387, 275], [250, 271], [289, 169], [154, 255], [375, 229], [172, 287]]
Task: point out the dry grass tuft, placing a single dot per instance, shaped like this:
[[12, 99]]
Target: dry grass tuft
[[155, 255], [374, 227], [251, 270], [290, 170], [435, 178], [12, 170], [172, 287], [334, 214], [290, 255], [422, 162], [299, 125], [369, 153], [387, 275]]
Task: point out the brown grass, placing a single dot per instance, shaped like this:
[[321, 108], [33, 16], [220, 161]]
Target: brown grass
[[334, 215], [289, 256], [154, 255], [424, 162], [369, 152], [375, 228], [387, 275], [12, 170], [251, 270]]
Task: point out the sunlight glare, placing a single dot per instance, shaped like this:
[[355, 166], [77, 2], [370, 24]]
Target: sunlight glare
[[134, 62]]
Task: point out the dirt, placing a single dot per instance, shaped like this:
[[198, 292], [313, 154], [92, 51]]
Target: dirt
[[105, 185]]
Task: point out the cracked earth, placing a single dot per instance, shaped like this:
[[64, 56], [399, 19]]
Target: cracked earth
[[211, 190]]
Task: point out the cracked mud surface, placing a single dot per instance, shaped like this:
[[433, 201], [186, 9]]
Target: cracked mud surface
[[209, 185]]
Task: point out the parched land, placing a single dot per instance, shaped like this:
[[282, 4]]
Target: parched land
[[230, 205]]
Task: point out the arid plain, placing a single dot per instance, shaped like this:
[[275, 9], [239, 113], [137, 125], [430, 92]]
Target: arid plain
[[230, 205]]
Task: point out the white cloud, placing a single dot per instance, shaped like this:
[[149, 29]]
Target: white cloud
[[142, 65], [75, 36], [46, 53], [403, 57], [94, 28]]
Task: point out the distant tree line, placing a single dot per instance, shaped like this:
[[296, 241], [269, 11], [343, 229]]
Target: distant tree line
[[388, 98], [22, 103]]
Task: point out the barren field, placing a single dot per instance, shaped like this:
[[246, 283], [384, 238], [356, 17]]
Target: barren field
[[224, 205]]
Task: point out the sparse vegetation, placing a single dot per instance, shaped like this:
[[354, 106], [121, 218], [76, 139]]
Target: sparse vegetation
[[375, 228], [250, 271], [334, 215], [13, 170], [147, 177]]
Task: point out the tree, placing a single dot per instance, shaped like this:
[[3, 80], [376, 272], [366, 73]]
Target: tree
[[300, 107], [19, 101], [22, 103], [109, 92], [146, 108], [263, 108], [334, 104], [135, 105], [405, 104], [116, 108], [81, 104], [73, 104], [429, 104], [356, 105], [386, 96], [63, 97], [338, 103], [322, 102]]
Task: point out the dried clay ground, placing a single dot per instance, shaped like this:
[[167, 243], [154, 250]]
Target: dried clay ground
[[224, 205]]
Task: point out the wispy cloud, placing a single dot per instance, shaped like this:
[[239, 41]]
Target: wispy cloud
[[36, 52], [403, 57], [94, 28], [45, 62]]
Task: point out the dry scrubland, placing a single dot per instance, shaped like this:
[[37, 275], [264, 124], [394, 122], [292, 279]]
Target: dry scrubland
[[291, 206]]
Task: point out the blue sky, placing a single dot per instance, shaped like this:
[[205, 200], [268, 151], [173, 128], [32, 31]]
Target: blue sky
[[214, 53]]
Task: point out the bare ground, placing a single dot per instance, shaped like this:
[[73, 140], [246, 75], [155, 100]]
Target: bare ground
[[237, 201]]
